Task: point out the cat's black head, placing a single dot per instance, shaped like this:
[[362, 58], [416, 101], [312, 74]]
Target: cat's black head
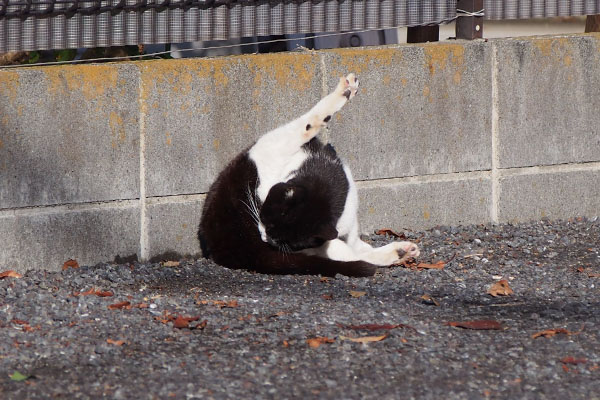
[[297, 217]]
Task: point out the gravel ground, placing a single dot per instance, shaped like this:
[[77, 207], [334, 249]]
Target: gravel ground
[[249, 335]]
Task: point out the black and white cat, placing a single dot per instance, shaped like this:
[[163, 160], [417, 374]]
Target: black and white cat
[[288, 204]]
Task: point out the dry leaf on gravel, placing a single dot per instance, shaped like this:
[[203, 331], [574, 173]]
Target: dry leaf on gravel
[[484, 324], [354, 293], [552, 332], [184, 322], [500, 288], [364, 339], [10, 274], [437, 265], [70, 264], [573, 360], [327, 297], [220, 303], [389, 232], [427, 299], [94, 291], [115, 342], [317, 341], [376, 327], [123, 304], [170, 264]]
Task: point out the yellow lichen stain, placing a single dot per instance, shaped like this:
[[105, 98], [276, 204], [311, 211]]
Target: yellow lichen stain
[[457, 77], [426, 212], [200, 146], [168, 139], [438, 55], [360, 60], [543, 214], [178, 238], [427, 93], [555, 50], [382, 121], [117, 129], [290, 70], [371, 210], [93, 81], [184, 226], [216, 144], [9, 85], [387, 80], [404, 82]]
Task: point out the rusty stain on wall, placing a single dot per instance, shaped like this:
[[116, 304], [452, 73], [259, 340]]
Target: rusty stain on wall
[[9, 85]]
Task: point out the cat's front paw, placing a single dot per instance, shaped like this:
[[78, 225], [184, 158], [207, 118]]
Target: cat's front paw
[[348, 86]]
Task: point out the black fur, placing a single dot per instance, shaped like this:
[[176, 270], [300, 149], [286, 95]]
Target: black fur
[[298, 214]]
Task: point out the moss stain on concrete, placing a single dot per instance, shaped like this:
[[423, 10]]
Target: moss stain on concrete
[[358, 60]]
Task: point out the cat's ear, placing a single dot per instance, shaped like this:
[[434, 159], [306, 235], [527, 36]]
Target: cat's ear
[[328, 232]]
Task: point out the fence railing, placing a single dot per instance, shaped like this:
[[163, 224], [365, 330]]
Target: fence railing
[[63, 24]]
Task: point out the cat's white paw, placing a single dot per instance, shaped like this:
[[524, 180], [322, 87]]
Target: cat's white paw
[[390, 254], [348, 86], [407, 250]]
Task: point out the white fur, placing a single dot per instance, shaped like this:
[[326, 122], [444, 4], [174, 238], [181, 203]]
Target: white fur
[[279, 153]]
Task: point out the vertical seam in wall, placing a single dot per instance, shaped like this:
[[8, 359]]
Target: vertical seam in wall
[[325, 134], [142, 125], [495, 152]]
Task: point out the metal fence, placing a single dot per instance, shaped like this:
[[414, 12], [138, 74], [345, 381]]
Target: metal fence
[[61, 24]]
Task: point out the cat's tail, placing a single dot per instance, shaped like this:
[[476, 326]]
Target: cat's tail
[[298, 263]]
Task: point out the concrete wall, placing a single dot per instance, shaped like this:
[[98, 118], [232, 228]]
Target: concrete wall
[[99, 161]]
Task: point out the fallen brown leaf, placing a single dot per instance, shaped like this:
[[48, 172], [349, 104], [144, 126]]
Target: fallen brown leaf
[[364, 339], [70, 264], [389, 232], [115, 342], [123, 304], [354, 293], [184, 322], [483, 324], [317, 341], [327, 297], [437, 265], [94, 291], [551, 332], [10, 274], [500, 288], [573, 360], [427, 299], [376, 327], [170, 264], [220, 303]]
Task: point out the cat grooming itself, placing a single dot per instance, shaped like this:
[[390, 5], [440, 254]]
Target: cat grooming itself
[[288, 204]]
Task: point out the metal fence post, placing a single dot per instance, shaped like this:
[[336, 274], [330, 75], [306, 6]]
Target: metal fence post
[[592, 23], [469, 27]]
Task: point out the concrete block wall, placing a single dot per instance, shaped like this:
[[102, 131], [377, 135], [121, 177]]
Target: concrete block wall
[[109, 161]]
